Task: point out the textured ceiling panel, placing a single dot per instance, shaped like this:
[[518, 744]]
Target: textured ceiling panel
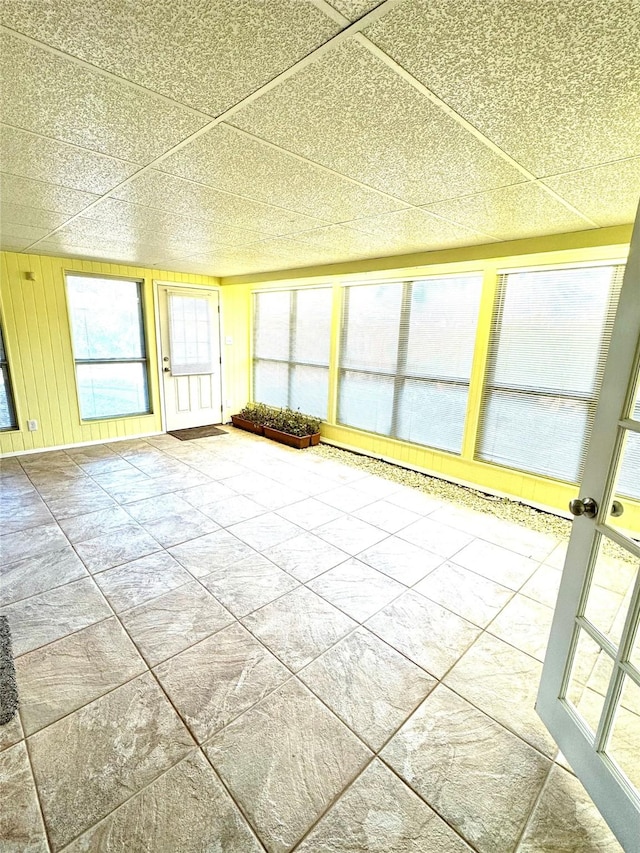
[[352, 113], [608, 194], [42, 159], [207, 55], [165, 192], [275, 254], [60, 99], [15, 234], [555, 84], [35, 194], [354, 9], [230, 160], [18, 214], [523, 210], [102, 250]]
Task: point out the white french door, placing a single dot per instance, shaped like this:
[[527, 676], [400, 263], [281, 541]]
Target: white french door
[[188, 321], [589, 695]]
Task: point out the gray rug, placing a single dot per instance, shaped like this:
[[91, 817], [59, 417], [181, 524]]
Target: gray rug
[[8, 686], [196, 432]]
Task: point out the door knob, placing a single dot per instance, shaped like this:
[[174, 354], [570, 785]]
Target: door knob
[[616, 509], [587, 507]]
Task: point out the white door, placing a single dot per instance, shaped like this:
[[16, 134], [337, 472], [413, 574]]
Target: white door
[[589, 695], [190, 356]]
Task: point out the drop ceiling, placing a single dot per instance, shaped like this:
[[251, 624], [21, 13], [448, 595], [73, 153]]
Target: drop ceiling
[[243, 136]]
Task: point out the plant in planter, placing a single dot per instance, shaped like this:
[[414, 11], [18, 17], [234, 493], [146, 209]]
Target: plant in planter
[[292, 428], [252, 417]]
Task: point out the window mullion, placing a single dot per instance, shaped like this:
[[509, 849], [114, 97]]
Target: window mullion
[[401, 363], [293, 321]]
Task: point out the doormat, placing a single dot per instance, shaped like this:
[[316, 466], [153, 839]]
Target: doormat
[[8, 686], [196, 432]]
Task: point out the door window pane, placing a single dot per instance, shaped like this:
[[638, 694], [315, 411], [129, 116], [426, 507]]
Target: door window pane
[[190, 335], [624, 741]]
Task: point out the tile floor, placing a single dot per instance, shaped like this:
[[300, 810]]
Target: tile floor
[[227, 645]]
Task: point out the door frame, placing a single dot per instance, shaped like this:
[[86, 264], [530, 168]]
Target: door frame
[[181, 285]]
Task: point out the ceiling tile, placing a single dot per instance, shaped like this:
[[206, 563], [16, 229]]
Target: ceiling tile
[[416, 227], [30, 156], [207, 55], [60, 99], [21, 234], [354, 114], [523, 210], [230, 160], [166, 192], [101, 250], [18, 214], [608, 194], [274, 254], [16, 190], [354, 9], [556, 85]]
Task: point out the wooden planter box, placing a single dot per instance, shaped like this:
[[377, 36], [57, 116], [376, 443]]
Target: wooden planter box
[[248, 425], [297, 441]]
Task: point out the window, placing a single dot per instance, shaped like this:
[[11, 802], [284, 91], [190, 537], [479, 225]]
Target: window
[[549, 341], [292, 335], [406, 356], [7, 408], [109, 346]]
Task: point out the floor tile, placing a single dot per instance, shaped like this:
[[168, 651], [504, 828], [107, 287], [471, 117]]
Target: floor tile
[[21, 828], [428, 634], [115, 548], [32, 543], [11, 733], [90, 525], [401, 560], [205, 494], [566, 821], [414, 500], [543, 585], [174, 621], [21, 514], [140, 580], [346, 498], [305, 556], [51, 615], [387, 516], [298, 626], [249, 584], [503, 682], [435, 537], [213, 551], [265, 531], [380, 814], [350, 534], [525, 624], [180, 527], [369, 685], [277, 496], [39, 574], [186, 810], [471, 596], [285, 761], [496, 563], [357, 589], [213, 682], [152, 509], [233, 510], [309, 513], [65, 675], [112, 748], [70, 505], [482, 779]]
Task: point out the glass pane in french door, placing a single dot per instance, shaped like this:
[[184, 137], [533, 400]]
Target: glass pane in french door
[[624, 506]]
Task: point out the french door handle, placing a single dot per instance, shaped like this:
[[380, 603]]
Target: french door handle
[[587, 507]]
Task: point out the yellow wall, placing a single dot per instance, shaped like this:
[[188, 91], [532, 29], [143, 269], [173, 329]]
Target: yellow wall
[[38, 342]]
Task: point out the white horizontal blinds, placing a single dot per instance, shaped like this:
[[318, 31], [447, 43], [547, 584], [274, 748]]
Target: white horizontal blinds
[[190, 335], [406, 358], [548, 345], [292, 334]]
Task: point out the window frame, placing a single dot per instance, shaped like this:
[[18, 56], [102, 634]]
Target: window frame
[[144, 359], [5, 369]]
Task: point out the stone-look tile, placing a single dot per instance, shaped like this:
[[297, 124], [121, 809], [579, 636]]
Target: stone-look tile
[[65, 675], [357, 589], [51, 615], [277, 496], [471, 596], [93, 760], [305, 556], [369, 685], [429, 635], [503, 682], [414, 500], [208, 493], [435, 537], [174, 621], [23, 513], [543, 585], [496, 563], [285, 761], [346, 498], [78, 528], [187, 810], [136, 582], [39, 574], [248, 584], [32, 543], [380, 814], [232, 510], [115, 548], [525, 624], [69, 505], [21, 826], [180, 527], [213, 682], [387, 516], [565, 820], [265, 531], [11, 733], [214, 551], [350, 534], [298, 626], [401, 560], [309, 513], [482, 779]]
